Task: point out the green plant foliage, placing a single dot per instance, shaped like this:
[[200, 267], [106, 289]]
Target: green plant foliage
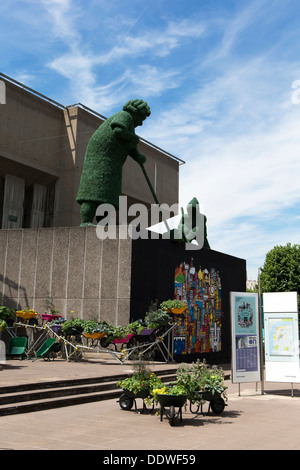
[[91, 326], [198, 376], [6, 313], [3, 325], [174, 389], [118, 332], [281, 270], [142, 380], [157, 317], [76, 323], [172, 304]]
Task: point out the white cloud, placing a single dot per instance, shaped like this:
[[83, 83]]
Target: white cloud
[[157, 42], [151, 81], [81, 66], [63, 14]]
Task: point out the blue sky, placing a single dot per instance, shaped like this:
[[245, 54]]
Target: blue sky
[[222, 78]]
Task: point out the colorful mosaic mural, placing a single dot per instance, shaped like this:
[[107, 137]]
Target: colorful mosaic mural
[[200, 332]]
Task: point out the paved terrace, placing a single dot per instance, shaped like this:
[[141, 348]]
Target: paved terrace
[[251, 421]]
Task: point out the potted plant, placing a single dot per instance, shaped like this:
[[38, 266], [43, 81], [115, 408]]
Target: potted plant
[[3, 325], [140, 384], [170, 391], [56, 325], [177, 307], [203, 383], [8, 315], [73, 327], [171, 397], [95, 330], [27, 313], [157, 317], [123, 334], [52, 311]]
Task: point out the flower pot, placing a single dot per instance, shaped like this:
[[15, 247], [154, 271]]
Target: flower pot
[[123, 340], [127, 399], [72, 331], [172, 400], [50, 316], [56, 328], [141, 394], [27, 314], [178, 311], [146, 332], [216, 401], [96, 335]]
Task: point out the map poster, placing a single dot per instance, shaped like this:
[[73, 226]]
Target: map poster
[[281, 337], [281, 347], [245, 337]]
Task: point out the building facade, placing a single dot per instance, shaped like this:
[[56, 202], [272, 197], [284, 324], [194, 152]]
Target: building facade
[[42, 149]]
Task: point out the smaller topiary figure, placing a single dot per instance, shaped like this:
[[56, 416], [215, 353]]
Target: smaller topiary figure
[[106, 153], [188, 229]]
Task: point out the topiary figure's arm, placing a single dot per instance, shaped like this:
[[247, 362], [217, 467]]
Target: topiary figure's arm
[[123, 133], [137, 156]]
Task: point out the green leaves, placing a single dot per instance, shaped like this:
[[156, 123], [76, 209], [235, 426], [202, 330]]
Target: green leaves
[[6, 313], [3, 325], [199, 377], [141, 381], [281, 270], [172, 304], [156, 317]]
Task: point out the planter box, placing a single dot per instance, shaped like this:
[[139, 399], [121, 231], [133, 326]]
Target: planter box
[[141, 394], [26, 315], [94, 335], [72, 331], [50, 316], [172, 400], [146, 331], [177, 311], [123, 340], [56, 328]]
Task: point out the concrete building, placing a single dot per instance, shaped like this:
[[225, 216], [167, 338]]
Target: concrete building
[[42, 148], [47, 255]]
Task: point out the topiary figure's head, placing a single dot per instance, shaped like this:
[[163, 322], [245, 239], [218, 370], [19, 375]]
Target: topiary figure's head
[[138, 109]]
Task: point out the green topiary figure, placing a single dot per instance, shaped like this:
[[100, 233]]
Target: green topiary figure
[[187, 229], [106, 153]]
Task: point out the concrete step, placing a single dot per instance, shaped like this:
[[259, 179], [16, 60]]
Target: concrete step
[[40, 405], [26, 398]]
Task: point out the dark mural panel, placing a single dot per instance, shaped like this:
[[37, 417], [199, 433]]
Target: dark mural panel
[[163, 269]]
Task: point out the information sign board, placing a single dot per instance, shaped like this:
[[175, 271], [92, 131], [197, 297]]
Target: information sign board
[[281, 337], [245, 337]]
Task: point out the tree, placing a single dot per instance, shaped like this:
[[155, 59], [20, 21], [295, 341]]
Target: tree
[[281, 270]]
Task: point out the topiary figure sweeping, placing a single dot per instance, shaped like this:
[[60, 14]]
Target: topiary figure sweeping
[[106, 153]]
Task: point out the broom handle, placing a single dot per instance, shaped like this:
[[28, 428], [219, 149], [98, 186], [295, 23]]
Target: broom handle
[[153, 194]]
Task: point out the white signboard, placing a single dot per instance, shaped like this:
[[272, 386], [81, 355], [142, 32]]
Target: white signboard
[[245, 337], [281, 337]]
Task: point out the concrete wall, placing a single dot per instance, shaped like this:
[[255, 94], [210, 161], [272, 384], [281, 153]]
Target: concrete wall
[[78, 271]]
